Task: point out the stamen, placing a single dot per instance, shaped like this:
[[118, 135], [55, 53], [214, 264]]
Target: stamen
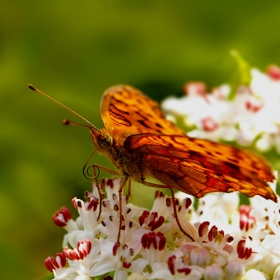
[[62, 216]]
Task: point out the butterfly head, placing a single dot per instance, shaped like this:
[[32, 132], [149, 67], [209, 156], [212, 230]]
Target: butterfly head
[[101, 140]]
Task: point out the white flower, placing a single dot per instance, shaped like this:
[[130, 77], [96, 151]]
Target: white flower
[[252, 117], [152, 246]]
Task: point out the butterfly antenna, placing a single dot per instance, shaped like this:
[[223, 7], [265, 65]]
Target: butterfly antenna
[[62, 105]]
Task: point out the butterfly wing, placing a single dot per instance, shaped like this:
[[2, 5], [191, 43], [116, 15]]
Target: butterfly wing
[[126, 111], [198, 167]]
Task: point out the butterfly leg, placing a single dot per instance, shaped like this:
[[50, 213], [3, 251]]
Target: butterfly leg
[[100, 193], [128, 195], [108, 170], [123, 182], [153, 185]]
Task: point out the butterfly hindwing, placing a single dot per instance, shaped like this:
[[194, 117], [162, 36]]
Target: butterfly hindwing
[[197, 166]]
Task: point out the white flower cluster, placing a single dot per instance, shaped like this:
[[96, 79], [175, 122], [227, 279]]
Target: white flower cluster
[[249, 116], [223, 241]]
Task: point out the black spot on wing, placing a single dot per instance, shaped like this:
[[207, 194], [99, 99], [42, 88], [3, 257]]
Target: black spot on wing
[[195, 154], [232, 166], [159, 125], [118, 116], [142, 122]]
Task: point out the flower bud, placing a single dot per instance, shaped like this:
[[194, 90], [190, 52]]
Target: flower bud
[[213, 272], [200, 257], [234, 271]]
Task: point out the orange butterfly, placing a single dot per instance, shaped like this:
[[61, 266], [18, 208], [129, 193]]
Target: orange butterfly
[[142, 143]]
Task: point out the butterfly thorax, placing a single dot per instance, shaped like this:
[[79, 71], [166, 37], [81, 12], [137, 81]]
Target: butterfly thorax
[[129, 162]]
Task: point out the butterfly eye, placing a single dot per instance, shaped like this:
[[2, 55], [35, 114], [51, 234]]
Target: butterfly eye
[[105, 141]]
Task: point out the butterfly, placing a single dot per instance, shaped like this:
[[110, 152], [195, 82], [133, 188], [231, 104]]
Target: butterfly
[[143, 144]]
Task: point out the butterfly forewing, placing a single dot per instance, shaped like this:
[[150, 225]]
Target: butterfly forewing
[[126, 111]]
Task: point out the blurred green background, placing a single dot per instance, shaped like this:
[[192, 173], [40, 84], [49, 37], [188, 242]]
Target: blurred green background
[[74, 51]]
